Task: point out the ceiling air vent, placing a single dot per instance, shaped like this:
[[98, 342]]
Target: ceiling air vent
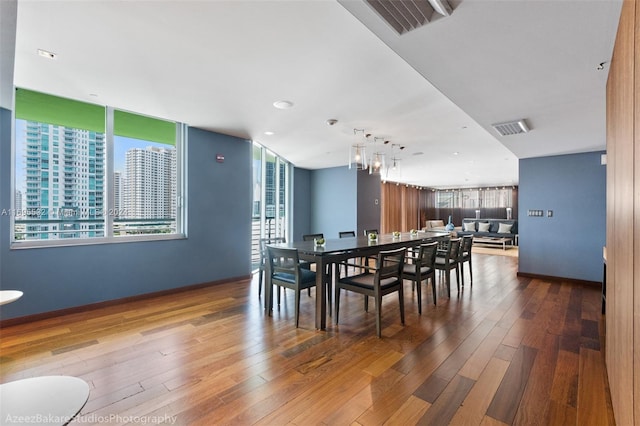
[[511, 127], [407, 15]]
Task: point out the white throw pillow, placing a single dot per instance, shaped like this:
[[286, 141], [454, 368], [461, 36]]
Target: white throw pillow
[[505, 228], [483, 226], [470, 226]]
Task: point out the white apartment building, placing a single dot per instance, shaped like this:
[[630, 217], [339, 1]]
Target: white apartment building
[[64, 182], [150, 183]]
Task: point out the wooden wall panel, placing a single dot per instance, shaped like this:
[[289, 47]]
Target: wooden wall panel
[[623, 238], [636, 214], [401, 208], [391, 202], [411, 210]]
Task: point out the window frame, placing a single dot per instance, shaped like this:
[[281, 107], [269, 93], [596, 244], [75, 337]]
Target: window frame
[[181, 143]]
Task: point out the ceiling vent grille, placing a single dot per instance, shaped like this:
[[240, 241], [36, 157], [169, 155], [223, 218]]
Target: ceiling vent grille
[[511, 127], [407, 15]]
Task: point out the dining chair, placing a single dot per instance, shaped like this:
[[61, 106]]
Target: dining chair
[[345, 234], [385, 278], [422, 267], [284, 271], [447, 259], [310, 237], [263, 257], [366, 234], [465, 256]]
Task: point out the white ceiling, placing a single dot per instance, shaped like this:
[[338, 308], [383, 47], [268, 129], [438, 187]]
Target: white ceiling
[[220, 65]]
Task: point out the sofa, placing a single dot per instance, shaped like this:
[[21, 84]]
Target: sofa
[[497, 228], [434, 225]]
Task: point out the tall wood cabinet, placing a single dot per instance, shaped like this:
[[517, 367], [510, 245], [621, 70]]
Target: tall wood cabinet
[[623, 219]]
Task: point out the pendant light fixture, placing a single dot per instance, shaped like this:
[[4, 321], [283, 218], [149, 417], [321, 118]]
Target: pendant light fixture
[[377, 158], [358, 151]]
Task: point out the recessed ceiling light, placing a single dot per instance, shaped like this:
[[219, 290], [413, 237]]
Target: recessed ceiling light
[[93, 95], [456, 153], [46, 54], [269, 133], [418, 153], [283, 104]]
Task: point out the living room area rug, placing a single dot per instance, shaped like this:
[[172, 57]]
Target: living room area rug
[[511, 252]]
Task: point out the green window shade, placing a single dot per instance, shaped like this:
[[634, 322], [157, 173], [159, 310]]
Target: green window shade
[[144, 128], [35, 106]]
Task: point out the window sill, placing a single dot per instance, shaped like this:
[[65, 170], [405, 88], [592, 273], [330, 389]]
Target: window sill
[[32, 244]]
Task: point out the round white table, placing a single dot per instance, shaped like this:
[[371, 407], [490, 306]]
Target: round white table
[[45, 400], [8, 296]]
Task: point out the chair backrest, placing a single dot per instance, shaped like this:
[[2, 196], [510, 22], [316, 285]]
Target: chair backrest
[[283, 260], [269, 240], [465, 246], [346, 234], [427, 254], [311, 237], [455, 249], [390, 264], [370, 231], [449, 249]]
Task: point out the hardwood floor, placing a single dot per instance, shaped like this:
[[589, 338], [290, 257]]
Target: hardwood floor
[[508, 350]]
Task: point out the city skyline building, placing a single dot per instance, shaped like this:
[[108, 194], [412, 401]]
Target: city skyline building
[[63, 181], [150, 183], [118, 194], [60, 192]]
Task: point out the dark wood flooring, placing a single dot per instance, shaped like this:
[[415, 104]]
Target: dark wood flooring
[[508, 350]]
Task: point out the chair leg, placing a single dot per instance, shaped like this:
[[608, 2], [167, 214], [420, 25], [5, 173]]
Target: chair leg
[[462, 273], [259, 282], [448, 281], [401, 301], [433, 286], [470, 272], [418, 283], [298, 291], [337, 302], [329, 291], [366, 303], [268, 302], [458, 277], [378, 298]]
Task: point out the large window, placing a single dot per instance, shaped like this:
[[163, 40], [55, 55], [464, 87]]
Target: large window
[[88, 173], [270, 197], [474, 198]]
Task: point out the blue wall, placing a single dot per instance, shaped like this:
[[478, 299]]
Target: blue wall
[[569, 244], [333, 201], [217, 247], [301, 203]]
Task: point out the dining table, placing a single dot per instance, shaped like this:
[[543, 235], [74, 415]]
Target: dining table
[[333, 251]]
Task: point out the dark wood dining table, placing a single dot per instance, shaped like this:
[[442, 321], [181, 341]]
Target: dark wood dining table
[[337, 250]]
